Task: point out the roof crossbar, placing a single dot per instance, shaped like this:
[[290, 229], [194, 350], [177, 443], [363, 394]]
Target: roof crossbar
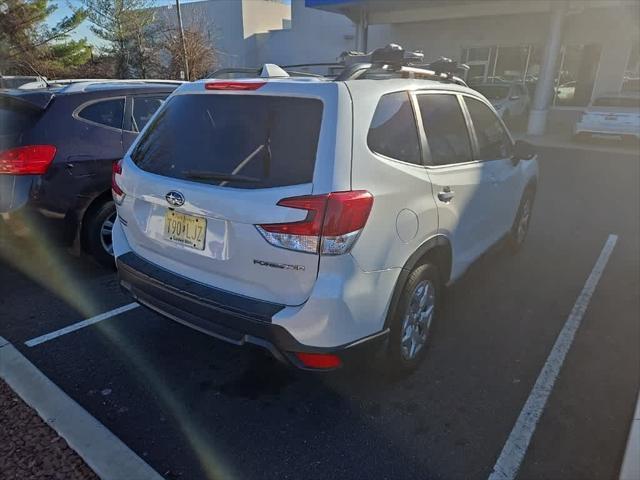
[[394, 59]]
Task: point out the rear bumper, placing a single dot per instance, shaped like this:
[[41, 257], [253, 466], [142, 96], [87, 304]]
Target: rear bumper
[[224, 315]]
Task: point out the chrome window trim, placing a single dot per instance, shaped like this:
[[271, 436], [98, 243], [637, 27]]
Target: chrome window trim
[[76, 112]]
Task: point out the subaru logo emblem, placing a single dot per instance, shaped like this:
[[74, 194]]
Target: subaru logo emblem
[[175, 199]]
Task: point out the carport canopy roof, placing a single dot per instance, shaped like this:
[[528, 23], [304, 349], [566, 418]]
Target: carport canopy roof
[[401, 11]]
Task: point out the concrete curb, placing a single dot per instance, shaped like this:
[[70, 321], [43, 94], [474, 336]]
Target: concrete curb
[[105, 453], [631, 463], [566, 142]]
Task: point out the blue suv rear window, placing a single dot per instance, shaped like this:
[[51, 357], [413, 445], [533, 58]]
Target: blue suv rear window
[[240, 141]]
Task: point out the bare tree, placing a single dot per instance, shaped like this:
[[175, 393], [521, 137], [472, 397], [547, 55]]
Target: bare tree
[[201, 55]]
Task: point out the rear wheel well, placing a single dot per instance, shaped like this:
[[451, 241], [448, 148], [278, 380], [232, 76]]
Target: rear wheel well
[[440, 256], [91, 209], [438, 253]]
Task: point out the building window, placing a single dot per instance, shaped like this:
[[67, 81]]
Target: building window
[[498, 63], [631, 80], [576, 75], [478, 60], [511, 63]]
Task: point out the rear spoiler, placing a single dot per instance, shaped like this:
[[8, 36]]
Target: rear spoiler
[[33, 100]]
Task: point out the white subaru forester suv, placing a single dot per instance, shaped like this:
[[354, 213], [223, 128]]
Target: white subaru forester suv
[[318, 218]]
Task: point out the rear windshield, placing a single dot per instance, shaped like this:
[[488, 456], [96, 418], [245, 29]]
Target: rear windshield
[[240, 141], [622, 102], [14, 122]]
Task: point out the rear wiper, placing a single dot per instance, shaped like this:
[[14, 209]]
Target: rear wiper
[[223, 177]]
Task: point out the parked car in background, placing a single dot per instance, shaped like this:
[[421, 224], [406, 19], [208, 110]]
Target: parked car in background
[[318, 218], [57, 147], [511, 100], [612, 115]]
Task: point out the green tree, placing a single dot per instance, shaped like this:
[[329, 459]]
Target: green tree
[[128, 28], [25, 39]]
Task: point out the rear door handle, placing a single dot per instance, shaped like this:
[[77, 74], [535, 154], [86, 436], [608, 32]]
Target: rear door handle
[[446, 195]]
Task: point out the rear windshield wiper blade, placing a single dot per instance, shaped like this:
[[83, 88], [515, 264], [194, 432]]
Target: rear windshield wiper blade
[[223, 177]]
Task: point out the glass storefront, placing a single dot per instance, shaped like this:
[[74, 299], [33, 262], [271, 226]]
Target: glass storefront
[[575, 76], [631, 80]]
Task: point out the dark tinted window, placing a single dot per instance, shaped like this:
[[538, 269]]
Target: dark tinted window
[[393, 131], [445, 128], [15, 120], [493, 141], [14, 123], [622, 102], [242, 141], [143, 108], [105, 112]]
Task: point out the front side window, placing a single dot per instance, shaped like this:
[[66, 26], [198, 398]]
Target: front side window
[[143, 108], [445, 129], [493, 141], [393, 132], [105, 112]]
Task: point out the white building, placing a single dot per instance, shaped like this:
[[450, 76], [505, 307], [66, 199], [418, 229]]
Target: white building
[[231, 25], [567, 51]]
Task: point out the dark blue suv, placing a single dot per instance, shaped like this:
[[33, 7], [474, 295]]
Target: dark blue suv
[[57, 148]]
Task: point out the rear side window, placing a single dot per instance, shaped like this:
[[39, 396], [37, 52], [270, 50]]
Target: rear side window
[[109, 113], [493, 141], [241, 141], [393, 131], [445, 129], [143, 108]]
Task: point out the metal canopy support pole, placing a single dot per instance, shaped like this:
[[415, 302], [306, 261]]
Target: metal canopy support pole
[[544, 88], [362, 30]]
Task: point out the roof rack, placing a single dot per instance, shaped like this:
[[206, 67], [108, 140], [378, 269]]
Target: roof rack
[[393, 59]]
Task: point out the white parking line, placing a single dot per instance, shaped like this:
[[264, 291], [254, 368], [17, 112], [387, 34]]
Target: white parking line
[[515, 449], [77, 326]]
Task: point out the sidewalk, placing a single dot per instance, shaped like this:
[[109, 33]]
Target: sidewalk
[[31, 449], [631, 463], [565, 140]]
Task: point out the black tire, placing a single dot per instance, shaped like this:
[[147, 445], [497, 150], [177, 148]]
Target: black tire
[[521, 223], [398, 360], [96, 240]]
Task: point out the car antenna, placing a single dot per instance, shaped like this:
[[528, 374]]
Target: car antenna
[[44, 79]]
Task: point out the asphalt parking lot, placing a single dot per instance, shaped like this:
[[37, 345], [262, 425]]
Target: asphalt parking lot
[[194, 407]]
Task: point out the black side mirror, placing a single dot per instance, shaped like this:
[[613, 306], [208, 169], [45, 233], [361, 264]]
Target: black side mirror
[[523, 150]]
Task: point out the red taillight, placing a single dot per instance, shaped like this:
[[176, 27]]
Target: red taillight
[[319, 360], [29, 160], [116, 191], [331, 227], [346, 212], [226, 85], [315, 206]]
